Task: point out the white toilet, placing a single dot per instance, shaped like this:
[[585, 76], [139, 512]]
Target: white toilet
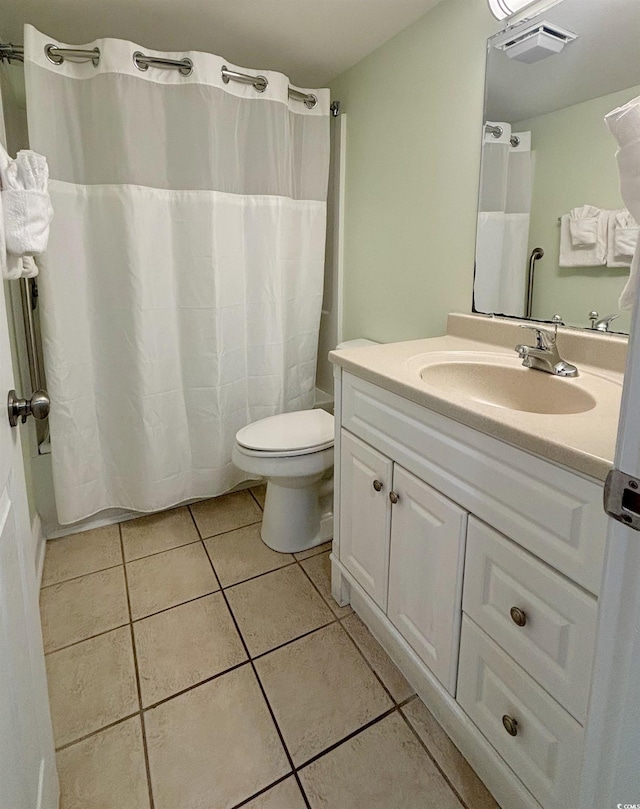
[[294, 452]]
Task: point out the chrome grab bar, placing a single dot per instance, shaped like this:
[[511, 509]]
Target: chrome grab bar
[[38, 404], [30, 334], [536, 254]]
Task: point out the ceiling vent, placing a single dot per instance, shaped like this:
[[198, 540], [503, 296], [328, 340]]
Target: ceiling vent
[[535, 42]]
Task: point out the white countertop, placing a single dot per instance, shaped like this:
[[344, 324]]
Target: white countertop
[[582, 441]]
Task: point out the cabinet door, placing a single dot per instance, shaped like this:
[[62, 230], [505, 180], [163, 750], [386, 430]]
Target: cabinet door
[[365, 515], [425, 576]]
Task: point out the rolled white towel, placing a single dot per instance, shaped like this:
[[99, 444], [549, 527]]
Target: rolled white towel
[[583, 225], [625, 236], [624, 124], [26, 204], [594, 256]]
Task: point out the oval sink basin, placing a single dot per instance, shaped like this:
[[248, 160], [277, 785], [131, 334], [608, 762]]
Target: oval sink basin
[[509, 386]]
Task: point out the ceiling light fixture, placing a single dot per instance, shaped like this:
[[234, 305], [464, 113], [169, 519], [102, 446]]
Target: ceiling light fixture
[[506, 9]]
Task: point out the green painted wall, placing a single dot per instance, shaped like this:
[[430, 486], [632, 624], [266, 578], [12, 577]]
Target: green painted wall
[[574, 165], [414, 110]]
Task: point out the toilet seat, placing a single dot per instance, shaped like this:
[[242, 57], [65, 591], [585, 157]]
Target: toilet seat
[[287, 434]]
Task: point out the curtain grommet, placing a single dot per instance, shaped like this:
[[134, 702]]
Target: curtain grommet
[[140, 65], [57, 60]]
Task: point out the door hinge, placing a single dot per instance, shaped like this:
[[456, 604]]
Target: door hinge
[[622, 498]]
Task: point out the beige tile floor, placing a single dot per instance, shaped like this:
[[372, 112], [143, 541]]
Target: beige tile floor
[[190, 667]]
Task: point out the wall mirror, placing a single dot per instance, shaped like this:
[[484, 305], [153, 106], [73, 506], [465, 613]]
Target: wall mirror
[[553, 236]]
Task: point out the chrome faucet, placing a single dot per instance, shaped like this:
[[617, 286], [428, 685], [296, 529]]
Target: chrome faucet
[[544, 356], [604, 322]]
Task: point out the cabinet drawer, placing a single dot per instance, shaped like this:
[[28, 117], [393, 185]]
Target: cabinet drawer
[[556, 643], [554, 513], [546, 751]]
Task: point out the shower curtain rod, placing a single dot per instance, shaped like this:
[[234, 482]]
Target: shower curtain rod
[[142, 62]]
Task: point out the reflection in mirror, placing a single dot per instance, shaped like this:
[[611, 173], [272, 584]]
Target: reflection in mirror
[[553, 235]]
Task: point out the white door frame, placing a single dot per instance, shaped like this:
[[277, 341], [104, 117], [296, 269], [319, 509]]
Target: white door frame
[[611, 769]]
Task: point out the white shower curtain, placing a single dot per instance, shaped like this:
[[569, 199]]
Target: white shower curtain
[[503, 223], [182, 286]]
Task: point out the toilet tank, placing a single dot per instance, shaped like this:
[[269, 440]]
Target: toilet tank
[[359, 342], [324, 399]]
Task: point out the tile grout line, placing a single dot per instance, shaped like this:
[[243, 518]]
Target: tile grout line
[[258, 503], [251, 578], [143, 729], [97, 731], [82, 575], [431, 756], [339, 620], [263, 791], [277, 648], [82, 640], [231, 668], [348, 737], [370, 665], [260, 686], [174, 606], [184, 544]]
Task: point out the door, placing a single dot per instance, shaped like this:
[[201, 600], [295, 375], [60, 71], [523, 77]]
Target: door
[[610, 772], [28, 778], [365, 515], [425, 573]]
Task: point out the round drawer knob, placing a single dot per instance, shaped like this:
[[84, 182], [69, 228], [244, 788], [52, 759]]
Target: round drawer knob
[[510, 725], [518, 616], [377, 485], [393, 497]]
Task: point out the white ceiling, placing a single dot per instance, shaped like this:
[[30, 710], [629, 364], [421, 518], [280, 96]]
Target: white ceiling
[[311, 41], [605, 58]]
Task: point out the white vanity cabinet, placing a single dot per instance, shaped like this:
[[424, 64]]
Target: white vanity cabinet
[[477, 566], [403, 542]]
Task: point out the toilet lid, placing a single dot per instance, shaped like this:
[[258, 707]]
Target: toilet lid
[[289, 432]]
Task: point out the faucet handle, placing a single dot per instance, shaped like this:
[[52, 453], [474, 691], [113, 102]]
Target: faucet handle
[[544, 337]]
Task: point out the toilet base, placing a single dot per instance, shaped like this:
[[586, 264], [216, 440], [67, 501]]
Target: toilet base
[[297, 517]]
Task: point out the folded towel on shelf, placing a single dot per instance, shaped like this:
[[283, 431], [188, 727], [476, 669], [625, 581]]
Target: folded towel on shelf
[[624, 237], [583, 256], [583, 225], [27, 210]]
